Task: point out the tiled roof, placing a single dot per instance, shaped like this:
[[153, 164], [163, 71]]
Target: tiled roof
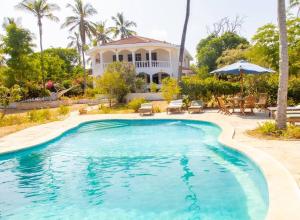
[[133, 40]]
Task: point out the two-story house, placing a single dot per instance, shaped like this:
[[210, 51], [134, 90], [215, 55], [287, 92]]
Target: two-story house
[[153, 59]]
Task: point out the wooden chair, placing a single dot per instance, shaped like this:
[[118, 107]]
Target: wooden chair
[[249, 103], [223, 108], [262, 103]]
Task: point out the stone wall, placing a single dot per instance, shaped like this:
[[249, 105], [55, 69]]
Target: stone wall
[[148, 96]]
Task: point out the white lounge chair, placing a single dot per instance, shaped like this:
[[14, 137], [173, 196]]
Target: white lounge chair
[[289, 109], [146, 108], [196, 106], [175, 106]]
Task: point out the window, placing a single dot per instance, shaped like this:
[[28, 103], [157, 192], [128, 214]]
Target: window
[[153, 56], [138, 57], [129, 57], [97, 60], [115, 58]]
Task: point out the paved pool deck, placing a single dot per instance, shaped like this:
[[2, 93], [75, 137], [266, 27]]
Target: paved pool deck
[[279, 160]]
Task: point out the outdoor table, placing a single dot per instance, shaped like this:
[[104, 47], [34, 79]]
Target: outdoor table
[[240, 101]]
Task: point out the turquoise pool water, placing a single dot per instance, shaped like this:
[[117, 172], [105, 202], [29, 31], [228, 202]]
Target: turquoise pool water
[[139, 169]]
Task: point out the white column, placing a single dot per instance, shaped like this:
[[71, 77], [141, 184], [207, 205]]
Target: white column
[[170, 58], [150, 58], [133, 57], [117, 55], [101, 60], [159, 78]]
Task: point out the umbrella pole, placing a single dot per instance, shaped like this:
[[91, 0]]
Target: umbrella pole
[[242, 82]]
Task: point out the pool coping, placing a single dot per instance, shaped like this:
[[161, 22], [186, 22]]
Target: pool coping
[[284, 194]]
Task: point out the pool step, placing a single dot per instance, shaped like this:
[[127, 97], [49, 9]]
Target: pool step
[[100, 126]]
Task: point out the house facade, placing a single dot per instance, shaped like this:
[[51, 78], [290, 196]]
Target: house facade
[[153, 59]]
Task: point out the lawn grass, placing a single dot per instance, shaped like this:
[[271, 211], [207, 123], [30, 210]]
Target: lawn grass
[[18, 121]]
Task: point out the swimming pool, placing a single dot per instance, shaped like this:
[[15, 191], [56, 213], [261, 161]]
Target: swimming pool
[[133, 169]]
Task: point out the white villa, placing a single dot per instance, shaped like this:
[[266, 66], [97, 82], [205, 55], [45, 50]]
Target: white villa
[[163, 61]]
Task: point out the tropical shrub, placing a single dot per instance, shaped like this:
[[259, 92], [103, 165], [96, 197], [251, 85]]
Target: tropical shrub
[[170, 89], [196, 88], [8, 96], [113, 85], [135, 104], [63, 110], [153, 87], [40, 115], [270, 130]]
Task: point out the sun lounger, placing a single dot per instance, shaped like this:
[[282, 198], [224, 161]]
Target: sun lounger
[[272, 110], [196, 106], [175, 106], [146, 108]]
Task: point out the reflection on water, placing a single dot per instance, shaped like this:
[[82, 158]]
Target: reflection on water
[[145, 170]]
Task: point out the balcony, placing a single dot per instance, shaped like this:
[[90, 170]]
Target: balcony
[[147, 64]]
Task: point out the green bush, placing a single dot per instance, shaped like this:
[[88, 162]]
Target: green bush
[[10, 120], [203, 89], [293, 132], [90, 92], [40, 115], [157, 109], [63, 110], [294, 90], [153, 87], [268, 128], [170, 89], [135, 104], [103, 109]]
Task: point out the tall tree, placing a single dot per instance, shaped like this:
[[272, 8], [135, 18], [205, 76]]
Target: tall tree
[[81, 13], [283, 66], [40, 9], [122, 26], [295, 4], [17, 44], [75, 43], [10, 20], [182, 45], [102, 33]]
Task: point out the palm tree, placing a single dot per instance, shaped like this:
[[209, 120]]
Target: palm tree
[[40, 9], [283, 67], [295, 4], [102, 33], [122, 26], [182, 45], [86, 28], [75, 43], [10, 20]]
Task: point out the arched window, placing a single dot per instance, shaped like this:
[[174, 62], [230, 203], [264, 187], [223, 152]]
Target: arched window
[[98, 59], [144, 76]]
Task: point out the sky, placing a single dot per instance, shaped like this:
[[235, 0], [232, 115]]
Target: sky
[[158, 19]]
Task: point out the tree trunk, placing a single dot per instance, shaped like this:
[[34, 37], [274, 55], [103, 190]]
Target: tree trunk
[[84, 71], [42, 52], [182, 45], [82, 35], [283, 67]]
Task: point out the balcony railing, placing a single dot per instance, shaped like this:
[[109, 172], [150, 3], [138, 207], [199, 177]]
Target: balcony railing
[[147, 64]]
